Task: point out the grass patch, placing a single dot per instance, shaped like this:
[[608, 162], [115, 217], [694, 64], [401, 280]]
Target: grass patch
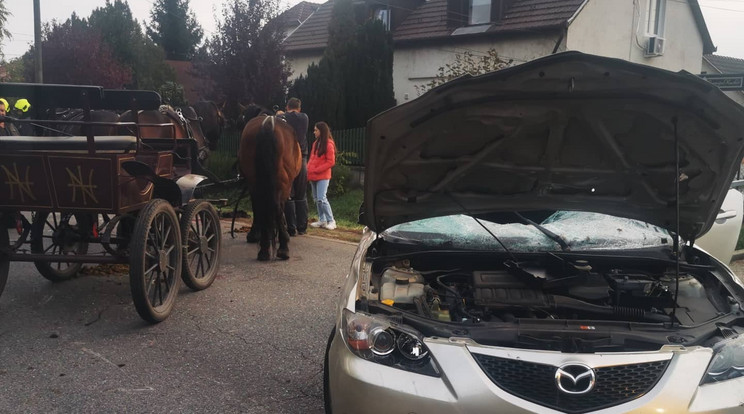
[[345, 207], [222, 164]]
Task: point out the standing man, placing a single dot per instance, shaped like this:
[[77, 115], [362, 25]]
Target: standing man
[[295, 210]]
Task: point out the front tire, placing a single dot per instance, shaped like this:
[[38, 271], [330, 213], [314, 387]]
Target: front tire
[[155, 261], [202, 237]]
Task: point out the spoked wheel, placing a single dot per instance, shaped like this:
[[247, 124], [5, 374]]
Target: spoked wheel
[[4, 250], [59, 235], [155, 261], [200, 231]]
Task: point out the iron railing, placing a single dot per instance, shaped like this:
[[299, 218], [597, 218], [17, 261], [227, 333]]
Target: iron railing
[[350, 142]]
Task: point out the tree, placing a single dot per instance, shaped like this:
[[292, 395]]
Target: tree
[[76, 54], [130, 45], [175, 29], [354, 79], [465, 64], [243, 58], [4, 13]]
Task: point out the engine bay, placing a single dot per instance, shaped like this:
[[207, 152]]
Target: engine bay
[[547, 287]]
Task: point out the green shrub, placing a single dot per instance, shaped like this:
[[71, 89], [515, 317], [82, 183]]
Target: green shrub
[[340, 175], [222, 164]]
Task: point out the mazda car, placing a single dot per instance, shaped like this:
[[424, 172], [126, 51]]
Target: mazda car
[[530, 246]]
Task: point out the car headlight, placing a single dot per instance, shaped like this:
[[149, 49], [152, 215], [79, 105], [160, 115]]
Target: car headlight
[[727, 362], [375, 339]]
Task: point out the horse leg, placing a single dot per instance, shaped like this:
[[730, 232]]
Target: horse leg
[[253, 235], [281, 221], [264, 244], [264, 250]]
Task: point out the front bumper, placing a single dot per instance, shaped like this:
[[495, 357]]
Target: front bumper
[[360, 386]]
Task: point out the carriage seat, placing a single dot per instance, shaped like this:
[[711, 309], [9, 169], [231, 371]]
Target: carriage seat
[[123, 143]]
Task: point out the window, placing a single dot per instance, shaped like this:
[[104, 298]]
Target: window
[[480, 11], [656, 17], [383, 15]]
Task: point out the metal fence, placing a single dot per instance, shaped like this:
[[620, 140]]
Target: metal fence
[[350, 142]]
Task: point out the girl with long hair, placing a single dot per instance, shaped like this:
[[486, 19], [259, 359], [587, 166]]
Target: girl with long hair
[[322, 159]]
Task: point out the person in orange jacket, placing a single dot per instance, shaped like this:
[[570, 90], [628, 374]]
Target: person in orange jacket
[[322, 159]]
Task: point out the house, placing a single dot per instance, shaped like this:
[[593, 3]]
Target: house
[[293, 17], [428, 34], [725, 65]]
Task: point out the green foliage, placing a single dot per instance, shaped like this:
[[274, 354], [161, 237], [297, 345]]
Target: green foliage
[[4, 13], [465, 64], [222, 164], [354, 79], [174, 28], [243, 59], [75, 53], [172, 94], [130, 45], [340, 175]]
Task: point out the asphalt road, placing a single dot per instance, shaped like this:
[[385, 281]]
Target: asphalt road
[[251, 343]]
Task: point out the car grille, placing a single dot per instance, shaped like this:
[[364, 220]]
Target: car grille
[[536, 383]]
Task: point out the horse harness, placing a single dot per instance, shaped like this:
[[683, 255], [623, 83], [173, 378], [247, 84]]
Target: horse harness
[[178, 116]]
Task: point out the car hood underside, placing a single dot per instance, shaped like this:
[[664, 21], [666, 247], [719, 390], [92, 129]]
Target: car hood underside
[[569, 131]]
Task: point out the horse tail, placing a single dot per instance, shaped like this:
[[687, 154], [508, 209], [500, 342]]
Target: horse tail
[[266, 202]]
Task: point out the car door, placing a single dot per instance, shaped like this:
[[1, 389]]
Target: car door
[[720, 240]]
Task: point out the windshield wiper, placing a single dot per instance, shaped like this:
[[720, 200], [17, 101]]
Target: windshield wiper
[[552, 236]]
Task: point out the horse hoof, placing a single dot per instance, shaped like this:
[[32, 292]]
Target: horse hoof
[[282, 254], [263, 256]]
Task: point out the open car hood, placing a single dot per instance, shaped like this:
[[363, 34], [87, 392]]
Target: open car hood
[[568, 132]]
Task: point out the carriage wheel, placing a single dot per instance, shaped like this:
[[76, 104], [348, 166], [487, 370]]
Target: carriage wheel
[[155, 261], [201, 233], [59, 235], [4, 259]]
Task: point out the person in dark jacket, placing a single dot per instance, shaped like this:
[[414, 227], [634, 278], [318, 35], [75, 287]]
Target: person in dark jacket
[[6, 128], [295, 209]]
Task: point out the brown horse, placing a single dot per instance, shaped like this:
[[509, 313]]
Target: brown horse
[[212, 121], [269, 158], [78, 115], [182, 123]]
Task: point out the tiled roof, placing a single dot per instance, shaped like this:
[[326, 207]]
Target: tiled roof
[[726, 64], [430, 19], [427, 21], [298, 13], [313, 32]]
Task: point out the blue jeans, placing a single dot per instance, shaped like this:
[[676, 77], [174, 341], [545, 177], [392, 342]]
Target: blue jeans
[[320, 188]]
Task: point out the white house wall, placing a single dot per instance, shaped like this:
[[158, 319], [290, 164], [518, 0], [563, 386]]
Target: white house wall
[[617, 29], [299, 64], [417, 66]]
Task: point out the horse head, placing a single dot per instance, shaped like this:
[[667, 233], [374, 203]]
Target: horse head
[[212, 121], [250, 111]]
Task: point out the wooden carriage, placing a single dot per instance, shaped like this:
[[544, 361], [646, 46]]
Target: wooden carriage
[[69, 200]]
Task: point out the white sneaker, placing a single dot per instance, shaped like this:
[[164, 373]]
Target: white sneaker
[[317, 224], [331, 225]]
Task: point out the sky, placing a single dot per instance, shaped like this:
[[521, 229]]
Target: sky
[[724, 18]]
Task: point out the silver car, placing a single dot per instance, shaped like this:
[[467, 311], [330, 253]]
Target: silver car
[[530, 247]]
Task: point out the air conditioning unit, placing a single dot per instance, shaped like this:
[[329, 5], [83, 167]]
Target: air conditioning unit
[[655, 46]]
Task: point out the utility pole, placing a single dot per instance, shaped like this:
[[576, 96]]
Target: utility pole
[[37, 43]]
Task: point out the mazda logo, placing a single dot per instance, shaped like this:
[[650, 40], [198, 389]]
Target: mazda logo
[[575, 378]]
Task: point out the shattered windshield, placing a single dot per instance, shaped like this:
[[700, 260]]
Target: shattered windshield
[[581, 230]]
